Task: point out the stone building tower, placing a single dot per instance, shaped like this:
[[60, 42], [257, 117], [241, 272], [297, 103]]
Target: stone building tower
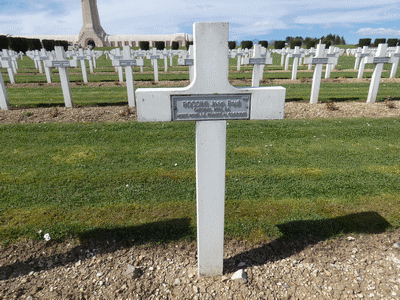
[[91, 33]]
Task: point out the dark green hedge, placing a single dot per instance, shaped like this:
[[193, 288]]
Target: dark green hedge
[[295, 43], [159, 45], [144, 45], [379, 41], [4, 42], [364, 42], [392, 42], [175, 45], [188, 44], [232, 45], [279, 44], [263, 44], [247, 44]]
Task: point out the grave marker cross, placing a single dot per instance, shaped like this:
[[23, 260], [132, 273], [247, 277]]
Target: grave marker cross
[[4, 104], [210, 100], [62, 64], [379, 60]]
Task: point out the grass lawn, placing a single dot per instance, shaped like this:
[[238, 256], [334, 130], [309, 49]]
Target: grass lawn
[[137, 180]]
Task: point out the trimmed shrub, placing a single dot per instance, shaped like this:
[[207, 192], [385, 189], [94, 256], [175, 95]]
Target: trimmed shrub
[[364, 42], [247, 44], [392, 42], [295, 43], [379, 41], [20, 44], [188, 44], [159, 45], [279, 44], [232, 45], [263, 44], [4, 42], [144, 45], [175, 45], [48, 45], [63, 44]]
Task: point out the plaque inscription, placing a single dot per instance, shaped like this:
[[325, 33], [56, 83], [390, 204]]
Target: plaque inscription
[[210, 107]]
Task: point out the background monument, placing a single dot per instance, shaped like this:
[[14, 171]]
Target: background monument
[[92, 33]]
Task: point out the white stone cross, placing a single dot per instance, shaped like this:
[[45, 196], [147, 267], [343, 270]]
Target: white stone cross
[[154, 60], [43, 55], [310, 52], [210, 100], [319, 60], [365, 53], [165, 54], [128, 62], [6, 63], [296, 55], [379, 60], [82, 57], [258, 63], [358, 56], [330, 65], [239, 56], [116, 54], [4, 104], [396, 57], [62, 64]]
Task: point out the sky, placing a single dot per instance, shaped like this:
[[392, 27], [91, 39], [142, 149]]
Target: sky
[[248, 20]]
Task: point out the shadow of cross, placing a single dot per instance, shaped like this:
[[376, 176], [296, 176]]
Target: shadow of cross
[[210, 100]]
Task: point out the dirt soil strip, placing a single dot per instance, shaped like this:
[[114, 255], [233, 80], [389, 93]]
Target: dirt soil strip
[[293, 110]]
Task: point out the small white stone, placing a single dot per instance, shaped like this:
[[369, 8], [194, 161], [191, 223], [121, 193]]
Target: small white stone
[[396, 245], [350, 238], [240, 276], [132, 271]]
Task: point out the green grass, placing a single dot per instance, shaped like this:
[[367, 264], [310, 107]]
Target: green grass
[[89, 96], [137, 180]]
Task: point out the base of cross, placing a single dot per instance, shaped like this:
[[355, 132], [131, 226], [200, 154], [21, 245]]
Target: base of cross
[[210, 100]]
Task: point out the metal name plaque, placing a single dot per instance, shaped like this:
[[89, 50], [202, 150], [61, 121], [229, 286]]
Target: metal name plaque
[[62, 64], [257, 61], [127, 63], [210, 107], [189, 62], [381, 60], [295, 55], [317, 60], [154, 56]]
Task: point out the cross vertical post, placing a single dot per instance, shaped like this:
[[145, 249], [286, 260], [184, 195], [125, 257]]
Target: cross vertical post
[[363, 54], [316, 82], [62, 64], [4, 104], [379, 60], [396, 57]]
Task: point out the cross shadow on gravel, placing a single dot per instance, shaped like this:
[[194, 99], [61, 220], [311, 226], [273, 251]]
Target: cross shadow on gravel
[[103, 240], [298, 235]]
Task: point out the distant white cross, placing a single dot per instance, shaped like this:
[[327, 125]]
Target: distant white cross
[[4, 104], [379, 60], [63, 64]]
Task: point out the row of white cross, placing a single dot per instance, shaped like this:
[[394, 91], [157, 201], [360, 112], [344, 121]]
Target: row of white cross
[[260, 57]]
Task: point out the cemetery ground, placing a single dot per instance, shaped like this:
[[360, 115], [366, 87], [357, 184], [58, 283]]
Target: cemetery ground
[[312, 201]]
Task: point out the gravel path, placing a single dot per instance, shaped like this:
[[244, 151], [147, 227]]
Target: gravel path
[[347, 267]]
